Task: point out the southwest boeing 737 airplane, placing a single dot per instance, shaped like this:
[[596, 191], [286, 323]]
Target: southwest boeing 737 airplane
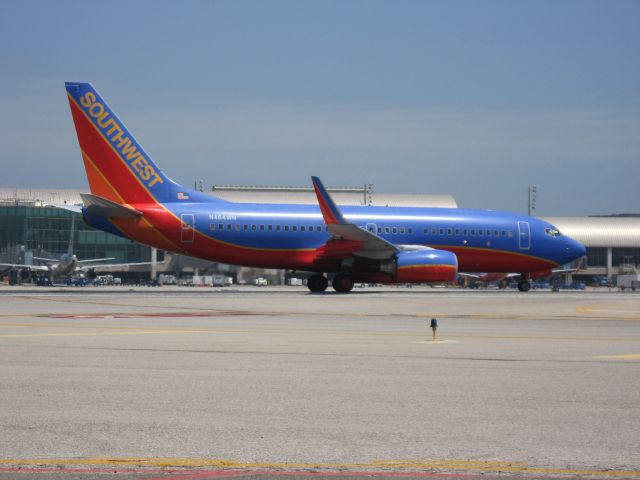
[[131, 197]]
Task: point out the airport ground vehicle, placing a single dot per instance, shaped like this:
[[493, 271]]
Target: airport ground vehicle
[[631, 281]]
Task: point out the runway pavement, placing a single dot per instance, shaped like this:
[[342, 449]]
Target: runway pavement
[[250, 381]]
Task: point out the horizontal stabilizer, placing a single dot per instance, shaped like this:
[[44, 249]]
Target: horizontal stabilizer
[[96, 205], [65, 206]]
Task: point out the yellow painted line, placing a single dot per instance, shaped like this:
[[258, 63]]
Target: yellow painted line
[[500, 316], [391, 465], [631, 356], [549, 338], [585, 309], [98, 334]]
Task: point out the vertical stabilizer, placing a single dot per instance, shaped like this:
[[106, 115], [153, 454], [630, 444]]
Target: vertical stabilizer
[[117, 166]]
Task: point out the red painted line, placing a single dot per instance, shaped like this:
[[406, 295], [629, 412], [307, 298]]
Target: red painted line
[[365, 473], [276, 473], [79, 470], [207, 474], [190, 474]]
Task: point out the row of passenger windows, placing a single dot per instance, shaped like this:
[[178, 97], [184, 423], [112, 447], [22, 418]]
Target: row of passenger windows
[[388, 230], [472, 232], [277, 228]]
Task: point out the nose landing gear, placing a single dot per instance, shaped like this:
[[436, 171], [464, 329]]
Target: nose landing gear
[[524, 285]]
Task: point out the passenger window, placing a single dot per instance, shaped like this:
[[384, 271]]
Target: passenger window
[[253, 227], [277, 228], [504, 233], [318, 228], [401, 229], [237, 227], [457, 231], [221, 226], [286, 228], [433, 231], [480, 232], [294, 228], [302, 228], [511, 233], [472, 231], [246, 227], [425, 231], [394, 230], [270, 227], [496, 233], [442, 231], [464, 232], [212, 226], [387, 229], [410, 231], [261, 227], [379, 229], [229, 227], [448, 231]]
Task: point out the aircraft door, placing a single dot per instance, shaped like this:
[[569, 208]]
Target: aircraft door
[[187, 232], [372, 228], [524, 235]]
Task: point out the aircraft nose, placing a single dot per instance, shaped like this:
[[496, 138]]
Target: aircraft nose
[[575, 249]]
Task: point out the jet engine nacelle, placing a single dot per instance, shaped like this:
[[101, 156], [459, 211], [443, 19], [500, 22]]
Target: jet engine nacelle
[[423, 266]]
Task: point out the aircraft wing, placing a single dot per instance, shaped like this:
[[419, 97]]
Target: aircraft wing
[[32, 268], [89, 260], [469, 275], [346, 237], [113, 267], [578, 267]]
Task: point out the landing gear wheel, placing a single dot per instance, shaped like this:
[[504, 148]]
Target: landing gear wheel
[[317, 283], [524, 286], [342, 283]]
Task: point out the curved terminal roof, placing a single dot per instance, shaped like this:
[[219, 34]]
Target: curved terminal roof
[[616, 232], [39, 197], [307, 196], [342, 196]]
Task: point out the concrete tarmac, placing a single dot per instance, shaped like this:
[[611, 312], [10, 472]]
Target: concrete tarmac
[[265, 381]]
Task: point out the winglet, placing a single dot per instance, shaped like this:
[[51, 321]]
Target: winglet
[[330, 211]]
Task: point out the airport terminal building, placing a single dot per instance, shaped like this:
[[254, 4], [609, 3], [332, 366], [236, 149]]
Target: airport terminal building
[[31, 225]]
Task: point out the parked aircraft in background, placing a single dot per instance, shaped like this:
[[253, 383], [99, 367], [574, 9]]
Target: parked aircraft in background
[[67, 264], [503, 277], [131, 197]]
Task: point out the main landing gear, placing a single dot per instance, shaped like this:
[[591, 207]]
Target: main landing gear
[[317, 283], [341, 283]]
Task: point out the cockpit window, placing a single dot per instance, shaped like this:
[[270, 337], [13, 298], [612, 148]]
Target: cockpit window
[[552, 232]]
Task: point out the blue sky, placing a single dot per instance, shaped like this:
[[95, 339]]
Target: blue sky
[[477, 99]]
